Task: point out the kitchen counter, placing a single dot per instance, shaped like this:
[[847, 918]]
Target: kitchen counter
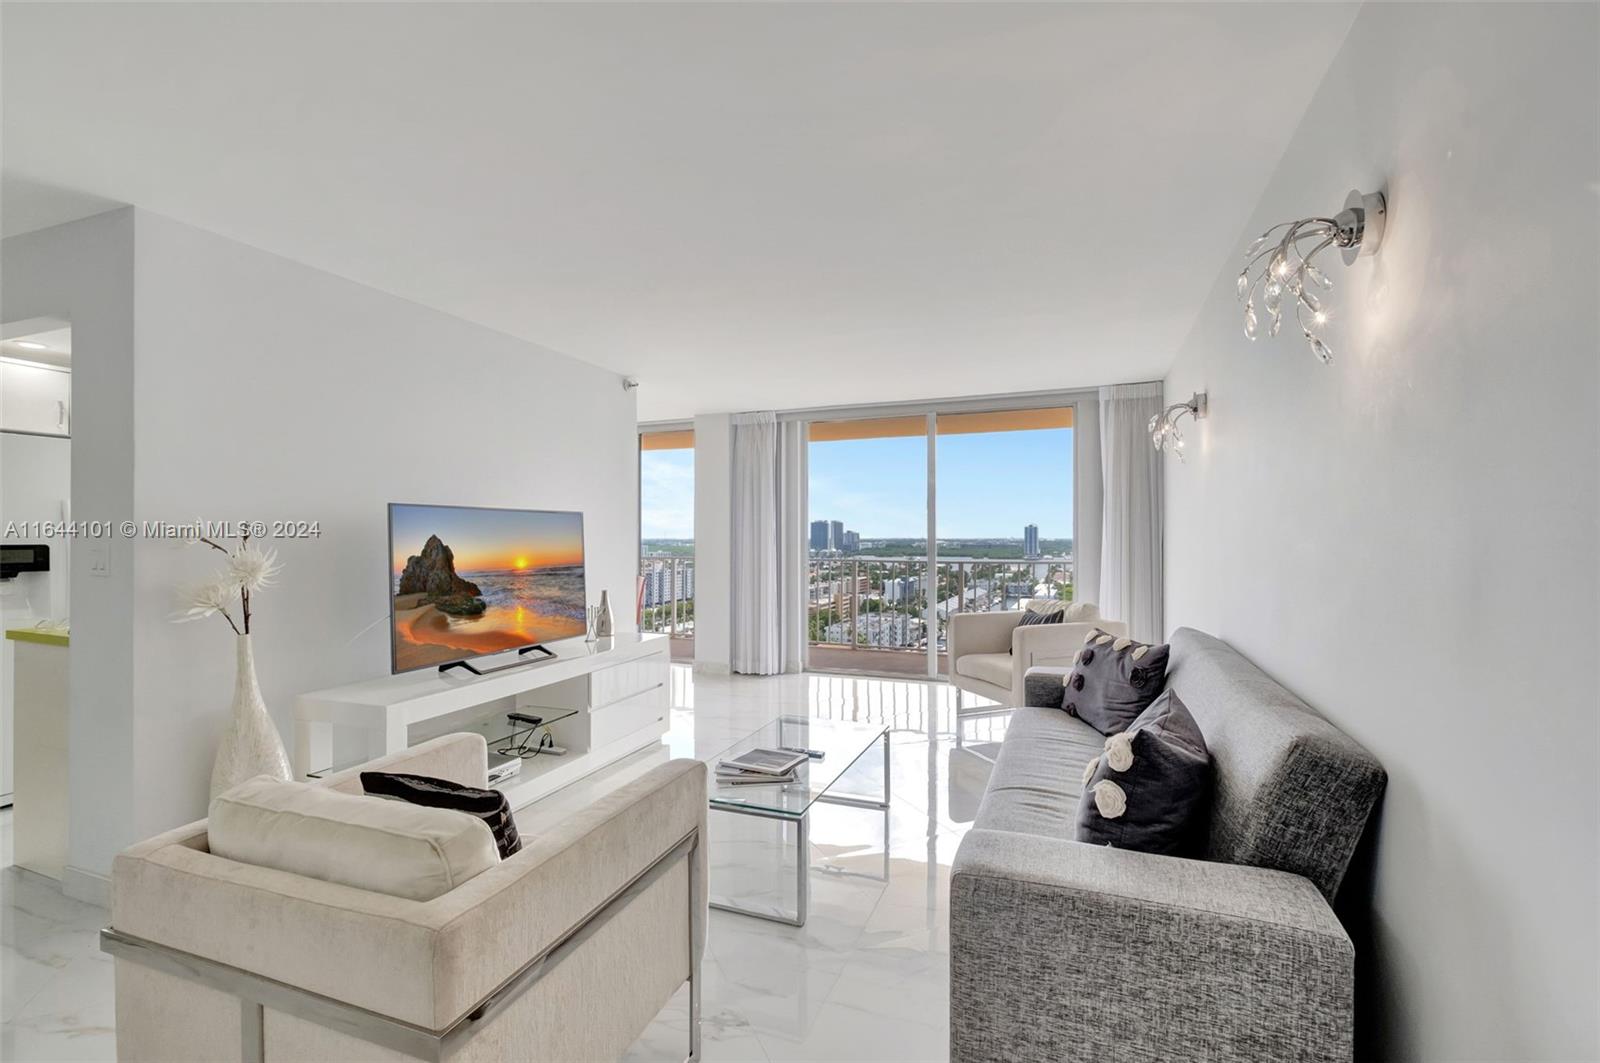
[[39, 731], [46, 637]]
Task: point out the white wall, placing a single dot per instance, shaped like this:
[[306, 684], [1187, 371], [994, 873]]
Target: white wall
[[1408, 537], [713, 543], [270, 390], [83, 272]]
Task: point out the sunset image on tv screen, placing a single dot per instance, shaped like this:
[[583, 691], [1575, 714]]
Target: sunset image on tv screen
[[467, 582]]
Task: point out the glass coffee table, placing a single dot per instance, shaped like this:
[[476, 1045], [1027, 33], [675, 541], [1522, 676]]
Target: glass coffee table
[[842, 744]]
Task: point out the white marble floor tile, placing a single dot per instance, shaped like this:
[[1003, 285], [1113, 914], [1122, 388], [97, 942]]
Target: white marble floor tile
[[72, 1017], [844, 1032], [57, 985]]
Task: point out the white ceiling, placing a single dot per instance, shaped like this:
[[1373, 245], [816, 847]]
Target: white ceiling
[[42, 340], [745, 206]]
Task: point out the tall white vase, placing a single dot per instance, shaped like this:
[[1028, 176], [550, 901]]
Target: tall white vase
[[251, 745]]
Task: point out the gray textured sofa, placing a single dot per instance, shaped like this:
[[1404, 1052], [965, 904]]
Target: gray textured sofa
[[1066, 951]]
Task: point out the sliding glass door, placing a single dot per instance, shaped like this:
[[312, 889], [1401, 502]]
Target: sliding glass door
[[1005, 510], [868, 539], [917, 516], [666, 537]]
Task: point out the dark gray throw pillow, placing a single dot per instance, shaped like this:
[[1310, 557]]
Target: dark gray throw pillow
[[1113, 680], [1031, 617], [1151, 787], [490, 806]]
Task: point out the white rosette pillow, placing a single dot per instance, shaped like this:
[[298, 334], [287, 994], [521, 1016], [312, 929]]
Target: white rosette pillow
[[1151, 787]]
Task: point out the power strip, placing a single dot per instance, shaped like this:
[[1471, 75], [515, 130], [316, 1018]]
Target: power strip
[[510, 769]]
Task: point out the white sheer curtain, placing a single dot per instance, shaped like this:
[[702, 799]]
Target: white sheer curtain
[[1130, 540], [769, 544]]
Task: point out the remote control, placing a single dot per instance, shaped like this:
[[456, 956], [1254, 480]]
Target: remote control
[[522, 717]]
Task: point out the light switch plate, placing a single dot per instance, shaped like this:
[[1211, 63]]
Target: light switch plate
[[100, 561]]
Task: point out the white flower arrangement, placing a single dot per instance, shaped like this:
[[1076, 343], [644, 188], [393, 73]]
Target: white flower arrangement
[[248, 569], [253, 568]]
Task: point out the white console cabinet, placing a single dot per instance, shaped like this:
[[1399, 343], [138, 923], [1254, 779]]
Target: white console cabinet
[[605, 700]]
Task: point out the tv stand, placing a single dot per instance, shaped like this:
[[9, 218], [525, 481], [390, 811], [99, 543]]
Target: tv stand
[[537, 647], [607, 699]]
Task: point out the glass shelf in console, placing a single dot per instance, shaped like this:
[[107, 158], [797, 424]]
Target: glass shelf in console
[[496, 729], [841, 743]]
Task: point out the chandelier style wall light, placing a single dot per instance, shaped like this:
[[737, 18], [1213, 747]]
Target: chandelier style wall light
[[1283, 274], [1164, 425]]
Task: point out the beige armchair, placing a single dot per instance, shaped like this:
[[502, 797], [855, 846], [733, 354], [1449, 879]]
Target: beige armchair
[[990, 652], [566, 950]]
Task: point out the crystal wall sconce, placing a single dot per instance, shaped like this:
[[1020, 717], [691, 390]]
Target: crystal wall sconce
[[1164, 425], [1283, 274]]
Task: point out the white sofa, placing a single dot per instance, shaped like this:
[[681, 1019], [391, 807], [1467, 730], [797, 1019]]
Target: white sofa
[[991, 652], [567, 950]]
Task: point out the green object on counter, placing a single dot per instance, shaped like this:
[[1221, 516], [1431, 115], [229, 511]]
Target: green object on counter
[[30, 634]]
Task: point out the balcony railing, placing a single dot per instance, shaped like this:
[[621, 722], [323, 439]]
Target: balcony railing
[[866, 614], [666, 600], [877, 606]]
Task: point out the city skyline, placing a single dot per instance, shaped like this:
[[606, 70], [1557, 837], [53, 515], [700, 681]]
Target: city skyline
[[820, 537], [831, 535]]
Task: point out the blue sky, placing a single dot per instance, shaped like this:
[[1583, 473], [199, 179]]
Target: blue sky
[[990, 485], [666, 494]]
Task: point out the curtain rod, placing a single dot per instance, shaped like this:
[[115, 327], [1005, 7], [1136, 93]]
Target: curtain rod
[[1003, 400]]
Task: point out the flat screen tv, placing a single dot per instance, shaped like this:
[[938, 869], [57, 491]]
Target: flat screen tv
[[467, 582]]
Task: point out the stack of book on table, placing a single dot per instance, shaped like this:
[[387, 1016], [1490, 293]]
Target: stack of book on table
[[757, 766]]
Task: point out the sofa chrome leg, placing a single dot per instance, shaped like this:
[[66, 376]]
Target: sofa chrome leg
[[697, 921]]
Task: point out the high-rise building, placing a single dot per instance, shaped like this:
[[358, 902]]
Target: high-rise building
[[852, 542], [819, 535], [901, 588], [1030, 541], [836, 535], [662, 587]]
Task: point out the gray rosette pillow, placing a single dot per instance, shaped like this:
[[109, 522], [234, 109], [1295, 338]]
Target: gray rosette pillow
[[1150, 789], [1113, 679]]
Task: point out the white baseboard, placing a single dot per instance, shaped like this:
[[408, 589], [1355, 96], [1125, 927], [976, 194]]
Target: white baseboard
[[91, 887]]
